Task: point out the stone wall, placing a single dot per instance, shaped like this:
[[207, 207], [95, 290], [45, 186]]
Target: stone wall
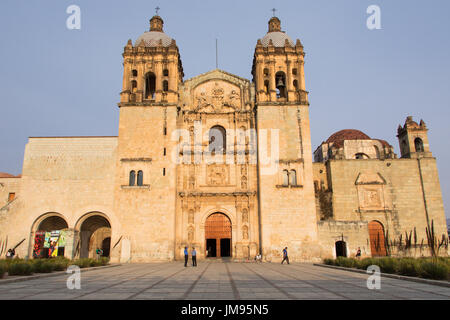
[[67, 177]]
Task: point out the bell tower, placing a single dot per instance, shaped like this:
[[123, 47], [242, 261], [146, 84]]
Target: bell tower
[[284, 141], [413, 139], [145, 174], [152, 67], [278, 67]]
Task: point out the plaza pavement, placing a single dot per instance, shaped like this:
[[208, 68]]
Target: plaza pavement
[[219, 280]]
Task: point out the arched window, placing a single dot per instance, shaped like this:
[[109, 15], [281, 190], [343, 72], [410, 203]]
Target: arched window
[[133, 86], [165, 85], [266, 72], [418, 143], [132, 178], [140, 178], [285, 178], [217, 139], [295, 83], [150, 88], [134, 73], [294, 71], [280, 83], [293, 178], [166, 73]]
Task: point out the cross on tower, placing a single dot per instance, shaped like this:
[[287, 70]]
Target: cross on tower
[[273, 10], [157, 9]]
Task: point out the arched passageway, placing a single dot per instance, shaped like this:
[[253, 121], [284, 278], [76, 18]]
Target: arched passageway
[[50, 237], [218, 236], [95, 233]]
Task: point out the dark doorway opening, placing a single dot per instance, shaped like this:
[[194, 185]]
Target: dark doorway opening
[[225, 247], [211, 247], [341, 249], [106, 244]]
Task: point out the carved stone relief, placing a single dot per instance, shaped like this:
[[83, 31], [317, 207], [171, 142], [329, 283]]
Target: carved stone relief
[[217, 174]]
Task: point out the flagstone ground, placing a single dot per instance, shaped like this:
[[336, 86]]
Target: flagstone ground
[[216, 280]]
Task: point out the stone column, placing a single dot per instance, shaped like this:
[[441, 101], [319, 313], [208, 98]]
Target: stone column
[[71, 243], [272, 84]]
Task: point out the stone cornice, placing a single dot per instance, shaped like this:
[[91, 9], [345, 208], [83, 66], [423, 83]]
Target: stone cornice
[[216, 194], [146, 104], [136, 159]]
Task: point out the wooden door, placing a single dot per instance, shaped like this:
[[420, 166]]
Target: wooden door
[[218, 227], [376, 234]]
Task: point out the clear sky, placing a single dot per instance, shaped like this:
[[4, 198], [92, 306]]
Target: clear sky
[[60, 82]]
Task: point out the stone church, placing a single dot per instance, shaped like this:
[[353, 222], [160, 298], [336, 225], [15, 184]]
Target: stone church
[[222, 164]]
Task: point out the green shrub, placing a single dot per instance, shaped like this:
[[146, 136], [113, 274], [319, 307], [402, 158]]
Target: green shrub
[[42, 266], [408, 267], [104, 261], [434, 270], [82, 263], [329, 262], [387, 265], [94, 263], [3, 269], [20, 269], [346, 262], [60, 263], [365, 263]]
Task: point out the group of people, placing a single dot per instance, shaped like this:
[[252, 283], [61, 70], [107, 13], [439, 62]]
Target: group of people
[[193, 254], [258, 258]]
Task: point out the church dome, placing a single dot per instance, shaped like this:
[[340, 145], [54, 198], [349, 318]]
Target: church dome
[[347, 134], [278, 39], [275, 34], [156, 34], [152, 38]]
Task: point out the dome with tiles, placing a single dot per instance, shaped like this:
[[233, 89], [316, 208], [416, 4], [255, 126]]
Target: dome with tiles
[[275, 34], [156, 35]]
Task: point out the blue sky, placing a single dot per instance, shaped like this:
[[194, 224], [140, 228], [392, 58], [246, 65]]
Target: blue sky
[[60, 82]]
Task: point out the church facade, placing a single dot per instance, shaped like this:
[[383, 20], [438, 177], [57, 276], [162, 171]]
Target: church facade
[[222, 164]]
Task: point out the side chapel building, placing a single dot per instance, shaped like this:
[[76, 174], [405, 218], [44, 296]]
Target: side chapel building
[[133, 197]]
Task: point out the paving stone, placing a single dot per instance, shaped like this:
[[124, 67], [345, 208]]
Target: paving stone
[[212, 281]]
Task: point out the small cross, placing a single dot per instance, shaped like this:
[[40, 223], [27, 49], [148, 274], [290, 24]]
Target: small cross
[[157, 9], [273, 10]]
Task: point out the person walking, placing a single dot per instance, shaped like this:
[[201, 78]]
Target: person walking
[[285, 256], [194, 257], [186, 256]]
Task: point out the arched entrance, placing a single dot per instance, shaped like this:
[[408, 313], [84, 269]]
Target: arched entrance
[[218, 236], [341, 249], [376, 234], [50, 237], [95, 233]]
